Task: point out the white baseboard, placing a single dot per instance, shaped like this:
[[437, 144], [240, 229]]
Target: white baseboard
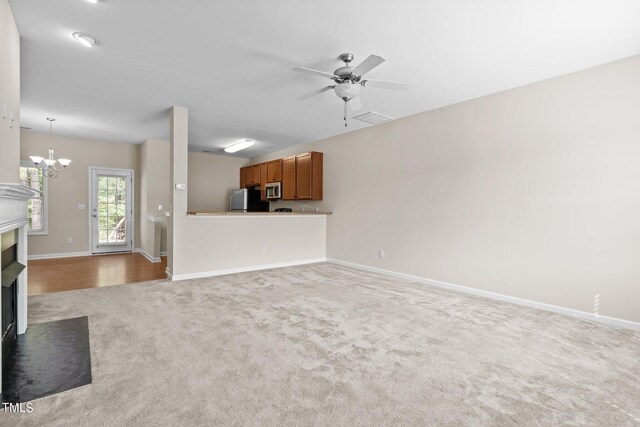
[[148, 256], [613, 321], [58, 255], [164, 253], [178, 277]]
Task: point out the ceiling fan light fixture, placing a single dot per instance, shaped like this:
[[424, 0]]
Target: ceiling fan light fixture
[[84, 39], [240, 145], [347, 90]]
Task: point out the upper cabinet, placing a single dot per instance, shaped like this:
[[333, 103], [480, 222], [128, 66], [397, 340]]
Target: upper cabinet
[[249, 176], [274, 170], [305, 183], [289, 178], [243, 177], [255, 174], [301, 176], [263, 182]]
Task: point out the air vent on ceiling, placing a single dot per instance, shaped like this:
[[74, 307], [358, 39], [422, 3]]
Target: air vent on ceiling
[[24, 128], [207, 151], [373, 118]]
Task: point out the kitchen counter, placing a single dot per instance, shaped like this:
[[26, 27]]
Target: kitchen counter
[[199, 213]]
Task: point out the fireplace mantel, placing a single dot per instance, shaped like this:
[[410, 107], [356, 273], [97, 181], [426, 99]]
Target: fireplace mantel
[[13, 216], [17, 191], [13, 205]]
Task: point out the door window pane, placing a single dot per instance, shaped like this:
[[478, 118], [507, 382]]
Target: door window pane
[[112, 204]]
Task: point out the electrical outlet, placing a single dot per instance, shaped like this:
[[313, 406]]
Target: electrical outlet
[[264, 250], [381, 253], [69, 240], [81, 206]]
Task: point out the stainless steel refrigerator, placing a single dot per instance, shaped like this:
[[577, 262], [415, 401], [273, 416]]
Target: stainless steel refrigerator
[[247, 200], [239, 201]]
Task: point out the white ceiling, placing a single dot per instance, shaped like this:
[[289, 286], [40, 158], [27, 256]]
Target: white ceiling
[[230, 62]]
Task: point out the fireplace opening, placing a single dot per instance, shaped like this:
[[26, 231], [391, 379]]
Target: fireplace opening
[[11, 269]]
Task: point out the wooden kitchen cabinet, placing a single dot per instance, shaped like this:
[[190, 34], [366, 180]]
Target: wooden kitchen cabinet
[[255, 175], [302, 177], [289, 178], [274, 171], [263, 181], [249, 176], [243, 177]]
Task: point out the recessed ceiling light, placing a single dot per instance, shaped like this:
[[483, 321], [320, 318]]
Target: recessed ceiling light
[[84, 39], [93, 1], [240, 145]]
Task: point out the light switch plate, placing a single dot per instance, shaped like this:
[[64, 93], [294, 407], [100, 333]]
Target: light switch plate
[[159, 207], [81, 206], [180, 186], [4, 110]]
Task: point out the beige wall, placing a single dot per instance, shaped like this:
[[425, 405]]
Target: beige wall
[[211, 179], [154, 191], [9, 95], [72, 187], [533, 192]]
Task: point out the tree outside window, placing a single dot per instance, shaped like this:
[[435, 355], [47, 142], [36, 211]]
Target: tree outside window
[[33, 177]]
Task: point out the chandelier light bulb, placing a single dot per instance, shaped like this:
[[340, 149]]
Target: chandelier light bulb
[[36, 159]]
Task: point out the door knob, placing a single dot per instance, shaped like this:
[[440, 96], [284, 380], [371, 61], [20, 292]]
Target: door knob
[[95, 216]]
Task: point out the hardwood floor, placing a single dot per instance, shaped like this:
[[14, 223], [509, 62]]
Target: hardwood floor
[[66, 274]]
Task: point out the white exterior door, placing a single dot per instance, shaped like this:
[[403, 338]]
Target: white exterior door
[[111, 210]]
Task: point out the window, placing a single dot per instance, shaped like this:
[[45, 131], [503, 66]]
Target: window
[[33, 177]]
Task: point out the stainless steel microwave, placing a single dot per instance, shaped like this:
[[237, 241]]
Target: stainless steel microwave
[[274, 190]]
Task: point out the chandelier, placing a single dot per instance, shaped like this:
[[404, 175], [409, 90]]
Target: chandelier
[[50, 169]]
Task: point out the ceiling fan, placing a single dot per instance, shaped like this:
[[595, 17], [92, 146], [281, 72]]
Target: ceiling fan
[[348, 81]]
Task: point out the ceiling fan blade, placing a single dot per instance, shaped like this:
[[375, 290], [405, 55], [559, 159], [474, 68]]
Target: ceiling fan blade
[[312, 71], [355, 103], [314, 93], [368, 64], [383, 84]]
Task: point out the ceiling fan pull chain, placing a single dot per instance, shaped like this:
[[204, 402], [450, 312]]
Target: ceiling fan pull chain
[[345, 113]]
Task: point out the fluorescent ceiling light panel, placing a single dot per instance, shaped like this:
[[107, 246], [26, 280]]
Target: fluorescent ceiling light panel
[[240, 145]]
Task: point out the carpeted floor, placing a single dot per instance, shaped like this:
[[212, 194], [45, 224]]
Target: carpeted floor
[[327, 345]]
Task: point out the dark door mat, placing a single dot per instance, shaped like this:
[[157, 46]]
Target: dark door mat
[[49, 358]]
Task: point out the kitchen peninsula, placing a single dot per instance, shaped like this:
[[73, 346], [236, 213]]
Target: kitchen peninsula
[[202, 243], [231, 242]]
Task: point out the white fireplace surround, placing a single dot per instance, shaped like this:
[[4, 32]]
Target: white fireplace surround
[[13, 216]]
